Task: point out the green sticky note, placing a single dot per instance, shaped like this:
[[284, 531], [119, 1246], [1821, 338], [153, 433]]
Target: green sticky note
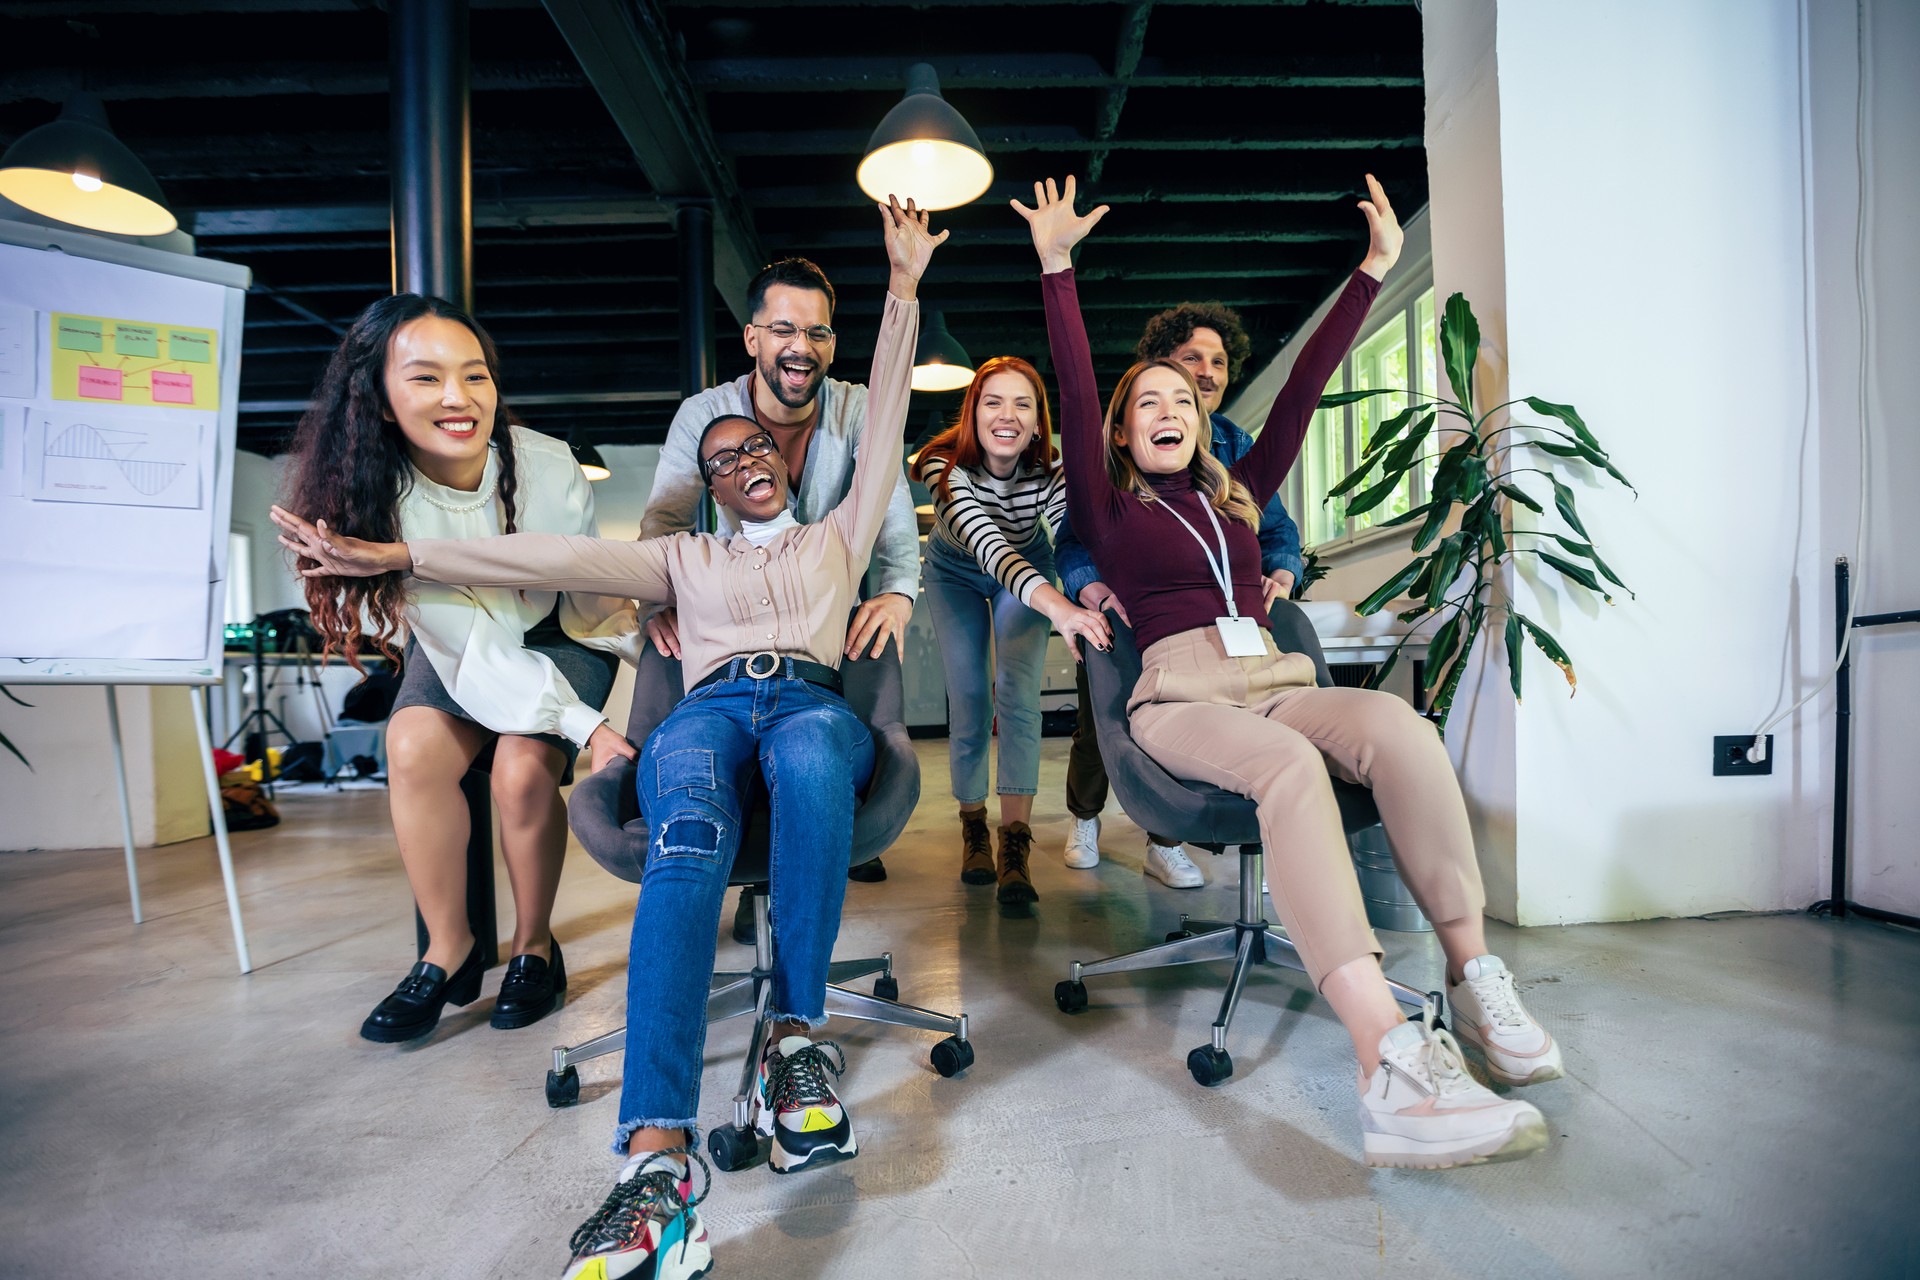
[[189, 345], [77, 333], [135, 339]]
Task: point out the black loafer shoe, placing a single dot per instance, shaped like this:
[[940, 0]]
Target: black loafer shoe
[[743, 917], [868, 872], [414, 1008], [532, 989]]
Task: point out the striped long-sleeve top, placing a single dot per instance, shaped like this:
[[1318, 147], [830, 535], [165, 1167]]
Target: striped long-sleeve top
[[989, 518]]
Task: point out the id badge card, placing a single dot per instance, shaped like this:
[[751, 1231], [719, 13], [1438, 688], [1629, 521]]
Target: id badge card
[[1241, 637]]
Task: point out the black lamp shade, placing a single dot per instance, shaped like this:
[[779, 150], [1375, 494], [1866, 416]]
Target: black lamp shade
[[939, 363], [924, 150], [76, 171], [592, 465]]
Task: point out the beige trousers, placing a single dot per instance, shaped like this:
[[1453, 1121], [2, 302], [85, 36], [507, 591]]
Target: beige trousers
[[1259, 727]]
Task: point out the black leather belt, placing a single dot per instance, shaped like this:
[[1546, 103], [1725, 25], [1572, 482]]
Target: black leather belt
[[767, 664]]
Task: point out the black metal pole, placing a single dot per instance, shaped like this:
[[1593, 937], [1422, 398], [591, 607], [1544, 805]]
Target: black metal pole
[[432, 178], [430, 150], [694, 223], [1842, 733]]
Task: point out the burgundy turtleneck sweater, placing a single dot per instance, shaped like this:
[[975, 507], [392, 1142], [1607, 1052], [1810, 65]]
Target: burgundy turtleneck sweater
[[1146, 557]]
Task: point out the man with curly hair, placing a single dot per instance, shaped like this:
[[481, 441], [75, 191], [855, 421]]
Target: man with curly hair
[[1208, 340]]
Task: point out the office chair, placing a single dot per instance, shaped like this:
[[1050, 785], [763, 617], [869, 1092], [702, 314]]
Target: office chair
[[605, 814], [1207, 816]]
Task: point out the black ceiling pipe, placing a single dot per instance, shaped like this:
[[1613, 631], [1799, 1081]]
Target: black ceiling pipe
[[430, 149], [694, 225]]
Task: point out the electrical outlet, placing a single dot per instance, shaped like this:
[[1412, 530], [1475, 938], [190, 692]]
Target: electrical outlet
[[1730, 756]]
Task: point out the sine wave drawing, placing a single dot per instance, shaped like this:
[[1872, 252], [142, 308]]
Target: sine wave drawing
[[119, 448]]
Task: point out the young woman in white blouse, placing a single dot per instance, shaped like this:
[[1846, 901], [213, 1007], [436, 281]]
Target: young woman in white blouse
[[408, 437], [996, 495]]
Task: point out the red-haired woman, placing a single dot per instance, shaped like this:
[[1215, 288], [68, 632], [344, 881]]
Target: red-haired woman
[[987, 577], [1172, 532], [408, 438]]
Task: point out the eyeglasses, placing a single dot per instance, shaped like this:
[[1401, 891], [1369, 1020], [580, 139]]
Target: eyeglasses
[[818, 334], [727, 461]]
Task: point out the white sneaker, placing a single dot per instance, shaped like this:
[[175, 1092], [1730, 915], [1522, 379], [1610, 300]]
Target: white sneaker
[[1487, 1012], [1083, 846], [1422, 1110], [1170, 865]]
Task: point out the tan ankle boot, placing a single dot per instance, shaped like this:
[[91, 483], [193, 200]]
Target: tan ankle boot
[[1016, 881], [976, 848]]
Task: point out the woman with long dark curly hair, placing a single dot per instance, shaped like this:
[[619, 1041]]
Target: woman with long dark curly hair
[[408, 437], [989, 582]]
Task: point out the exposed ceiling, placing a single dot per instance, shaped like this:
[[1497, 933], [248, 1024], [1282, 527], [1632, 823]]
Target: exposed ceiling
[[1230, 137]]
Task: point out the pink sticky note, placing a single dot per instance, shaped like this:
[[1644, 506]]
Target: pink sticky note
[[172, 388], [102, 384]]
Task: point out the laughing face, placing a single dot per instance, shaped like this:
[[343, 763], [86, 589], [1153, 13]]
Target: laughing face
[[756, 488], [1161, 426], [1205, 357], [1005, 418], [791, 367], [442, 396]]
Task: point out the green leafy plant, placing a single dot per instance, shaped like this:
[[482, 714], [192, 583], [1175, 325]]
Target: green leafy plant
[[1311, 571], [4, 740], [1479, 474]]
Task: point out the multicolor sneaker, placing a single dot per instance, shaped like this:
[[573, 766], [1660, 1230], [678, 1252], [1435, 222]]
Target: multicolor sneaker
[[646, 1227], [1083, 844], [797, 1107], [1487, 1013], [1422, 1110]]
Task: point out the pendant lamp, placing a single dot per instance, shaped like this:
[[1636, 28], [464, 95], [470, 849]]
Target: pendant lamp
[[924, 150], [592, 465], [74, 170], [939, 363]]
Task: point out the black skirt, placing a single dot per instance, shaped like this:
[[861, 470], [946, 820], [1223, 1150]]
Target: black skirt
[[589, 671]]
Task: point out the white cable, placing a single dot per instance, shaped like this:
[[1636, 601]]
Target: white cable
[[1757, 749]]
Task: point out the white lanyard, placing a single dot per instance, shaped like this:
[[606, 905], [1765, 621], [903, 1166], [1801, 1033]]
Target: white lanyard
[[1223, 567]]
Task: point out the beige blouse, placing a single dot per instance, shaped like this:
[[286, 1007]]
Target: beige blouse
[[792, 596]]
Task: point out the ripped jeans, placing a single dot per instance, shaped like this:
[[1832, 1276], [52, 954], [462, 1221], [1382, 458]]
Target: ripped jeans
[[699, 772]]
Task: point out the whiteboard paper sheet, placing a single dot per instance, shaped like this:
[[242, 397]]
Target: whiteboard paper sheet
[[19, 374], [87, 455]]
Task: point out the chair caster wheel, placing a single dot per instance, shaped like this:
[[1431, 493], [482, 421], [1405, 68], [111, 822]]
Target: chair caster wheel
[[1070, 996], [732, 1147], [887, 988], [952, 1056], [1179, 935], [1209, 1065], [563, 1087]]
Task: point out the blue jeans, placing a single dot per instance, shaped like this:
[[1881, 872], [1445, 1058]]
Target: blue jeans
[[972, 614], [697, 780]]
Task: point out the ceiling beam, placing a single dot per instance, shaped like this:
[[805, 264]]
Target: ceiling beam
[[1048, 71], [172, 81], [1007, 138], [632, 58], [531, 399], [334, 218], [1175, 234], [1126, 60], [841, 195], [787, 5]]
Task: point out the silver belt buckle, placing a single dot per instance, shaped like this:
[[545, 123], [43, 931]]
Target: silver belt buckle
[[773, 664]]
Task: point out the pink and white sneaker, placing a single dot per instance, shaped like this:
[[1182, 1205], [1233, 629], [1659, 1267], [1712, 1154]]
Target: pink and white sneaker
[[1487, 1013], [1422, 1110]]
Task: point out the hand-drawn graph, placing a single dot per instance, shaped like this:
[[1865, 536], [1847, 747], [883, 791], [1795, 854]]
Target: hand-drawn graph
[[85, 459]]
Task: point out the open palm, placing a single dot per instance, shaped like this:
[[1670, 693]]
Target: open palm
[[1055, 226], [910, 242]]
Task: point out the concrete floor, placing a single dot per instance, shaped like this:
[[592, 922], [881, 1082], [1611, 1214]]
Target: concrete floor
[[1737, 1103]]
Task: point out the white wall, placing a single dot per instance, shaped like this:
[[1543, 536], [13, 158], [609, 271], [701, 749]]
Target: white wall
[[1885, 804]]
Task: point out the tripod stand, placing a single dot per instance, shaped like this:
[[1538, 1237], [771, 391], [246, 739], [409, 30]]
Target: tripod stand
[[256, 725]]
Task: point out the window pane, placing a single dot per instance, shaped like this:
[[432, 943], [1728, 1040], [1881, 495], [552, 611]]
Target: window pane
[[239, 577], [1323, 461], [1381, 361]]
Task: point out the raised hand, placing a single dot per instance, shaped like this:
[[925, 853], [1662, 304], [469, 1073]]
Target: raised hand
[[910, 245], [335, 555], [1383, 230], [1055, 226]]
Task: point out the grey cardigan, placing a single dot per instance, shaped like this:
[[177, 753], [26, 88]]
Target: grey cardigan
[[678, 487]]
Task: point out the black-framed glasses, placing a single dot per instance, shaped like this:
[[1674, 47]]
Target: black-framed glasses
[[818, 334], [727, 461]]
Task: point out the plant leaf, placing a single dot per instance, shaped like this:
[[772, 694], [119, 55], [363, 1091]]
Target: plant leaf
[[1443, 701], [1436, 517], [1390, 588], [1583, 549], [1379, 676], [1447, 560], [1563, 499], [1519, 495], [1569, 415], [1441, 647], [1371, 497], [1460, 346], [1334, 399], [1408, 449], [1515, 647], [14, 698], [1406, 517], [1578, 573], [1383, 434], [16, 751], [1551, 647]]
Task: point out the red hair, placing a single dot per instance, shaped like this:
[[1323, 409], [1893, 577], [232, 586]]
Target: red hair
[[959, 444]]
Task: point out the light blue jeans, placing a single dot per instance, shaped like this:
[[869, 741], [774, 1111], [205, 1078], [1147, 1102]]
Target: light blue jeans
[[699, 774], [995, 651]]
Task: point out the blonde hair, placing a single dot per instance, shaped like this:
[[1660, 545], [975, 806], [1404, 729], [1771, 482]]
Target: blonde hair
[[1225, 494]]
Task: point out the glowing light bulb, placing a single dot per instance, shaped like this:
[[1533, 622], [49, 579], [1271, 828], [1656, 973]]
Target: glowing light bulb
[[923, 153], [86, 182]]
